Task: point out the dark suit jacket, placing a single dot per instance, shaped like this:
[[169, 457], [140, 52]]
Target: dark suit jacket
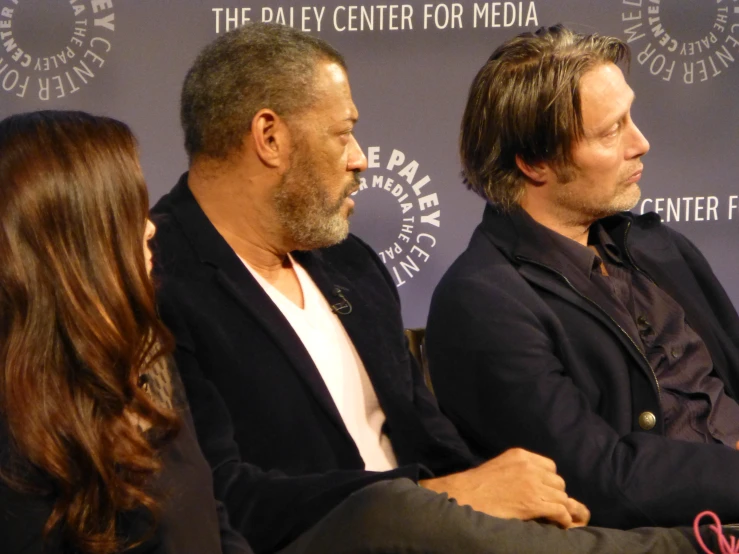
[[520, 356], [258, 401]]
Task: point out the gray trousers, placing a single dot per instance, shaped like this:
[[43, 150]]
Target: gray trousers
[[399, 517]]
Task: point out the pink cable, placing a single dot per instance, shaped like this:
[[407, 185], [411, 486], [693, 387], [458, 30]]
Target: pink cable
[[726, 546]]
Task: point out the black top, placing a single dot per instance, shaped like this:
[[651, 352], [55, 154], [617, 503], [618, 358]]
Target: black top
[[191, 521]]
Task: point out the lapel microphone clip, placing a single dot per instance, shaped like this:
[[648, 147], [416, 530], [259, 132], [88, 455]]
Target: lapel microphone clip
[[343, 307]]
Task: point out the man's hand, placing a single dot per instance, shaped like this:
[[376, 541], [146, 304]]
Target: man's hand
[[517, 484]]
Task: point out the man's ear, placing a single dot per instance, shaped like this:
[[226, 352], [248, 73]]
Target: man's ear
[[538, 172], [270, 137]]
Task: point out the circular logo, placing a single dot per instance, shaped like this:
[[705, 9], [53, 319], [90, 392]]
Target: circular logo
[[400, 211], [50, 49], [690, 43]]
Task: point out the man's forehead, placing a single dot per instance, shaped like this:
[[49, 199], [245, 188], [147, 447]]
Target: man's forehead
[[335, 73], [603, 79], [332, 92], [604, 94], [331, 112], [329, 77]]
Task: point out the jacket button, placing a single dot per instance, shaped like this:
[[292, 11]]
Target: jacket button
[[647, 420]]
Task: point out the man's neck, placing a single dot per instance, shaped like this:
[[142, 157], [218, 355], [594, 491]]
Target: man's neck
[[560, 221], [240, 210]]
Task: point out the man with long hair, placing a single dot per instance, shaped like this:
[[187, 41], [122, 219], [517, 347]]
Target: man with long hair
[[315, 419], [603, 335]]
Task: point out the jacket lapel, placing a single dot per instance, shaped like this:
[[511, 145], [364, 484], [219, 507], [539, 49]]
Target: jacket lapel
[[236, 280], [536, 259], [657, 260], [355, 306]]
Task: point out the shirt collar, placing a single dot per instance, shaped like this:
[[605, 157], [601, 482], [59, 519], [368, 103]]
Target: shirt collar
[[584, 259], [607, 248]]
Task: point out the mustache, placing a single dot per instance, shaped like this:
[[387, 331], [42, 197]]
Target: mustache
[[353, 185]]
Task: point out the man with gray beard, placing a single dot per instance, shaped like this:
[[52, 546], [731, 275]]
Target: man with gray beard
[[313, 415], [602, 337]]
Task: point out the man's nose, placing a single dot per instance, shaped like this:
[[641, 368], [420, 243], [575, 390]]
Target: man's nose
[[640, 144], [357, 161]]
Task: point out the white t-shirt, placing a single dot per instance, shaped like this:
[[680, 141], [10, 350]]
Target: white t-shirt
[[341, 368]]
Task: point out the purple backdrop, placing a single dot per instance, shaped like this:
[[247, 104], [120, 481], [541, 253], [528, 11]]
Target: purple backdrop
[[410, 67]]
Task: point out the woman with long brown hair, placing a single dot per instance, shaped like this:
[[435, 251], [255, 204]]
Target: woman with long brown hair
[[97, 449]]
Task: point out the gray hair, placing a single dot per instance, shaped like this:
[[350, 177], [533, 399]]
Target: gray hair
[[257, 66]]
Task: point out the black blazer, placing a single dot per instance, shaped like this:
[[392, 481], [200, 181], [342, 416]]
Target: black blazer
[[281, 454], [520, 355]]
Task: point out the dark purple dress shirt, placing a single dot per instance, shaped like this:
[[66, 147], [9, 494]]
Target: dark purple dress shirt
[[695, 405]]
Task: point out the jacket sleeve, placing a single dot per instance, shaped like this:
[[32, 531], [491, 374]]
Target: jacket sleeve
[[232, 542], [498, 375], [268, 507], [450, 453]]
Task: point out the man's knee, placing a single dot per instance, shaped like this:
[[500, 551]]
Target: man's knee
[[405, 513], [392, 504]]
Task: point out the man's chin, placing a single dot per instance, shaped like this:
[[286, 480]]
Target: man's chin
[[323, 238], [624, 202], [630, 198]]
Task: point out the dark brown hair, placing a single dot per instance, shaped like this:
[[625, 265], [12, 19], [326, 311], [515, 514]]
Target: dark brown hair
[[257, 66], [78, 324], [525, 101]]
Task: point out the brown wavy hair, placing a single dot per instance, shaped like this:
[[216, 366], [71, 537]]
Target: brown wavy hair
[[78, 324]]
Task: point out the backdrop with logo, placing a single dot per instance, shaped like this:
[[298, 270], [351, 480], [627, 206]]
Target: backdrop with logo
[[410, 66]]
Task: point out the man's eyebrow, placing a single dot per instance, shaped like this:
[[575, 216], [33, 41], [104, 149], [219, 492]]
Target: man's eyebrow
[[349, 119], [611, 121]]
